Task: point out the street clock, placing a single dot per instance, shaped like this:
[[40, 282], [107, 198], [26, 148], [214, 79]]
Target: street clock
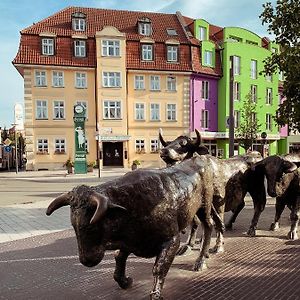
[[79, 109]]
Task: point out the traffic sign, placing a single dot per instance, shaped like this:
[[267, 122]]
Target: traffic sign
[[7, 142], [7, 149]]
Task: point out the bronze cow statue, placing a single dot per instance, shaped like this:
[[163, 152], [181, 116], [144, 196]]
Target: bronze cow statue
[[282, 174], [232, 179], [142, 212]]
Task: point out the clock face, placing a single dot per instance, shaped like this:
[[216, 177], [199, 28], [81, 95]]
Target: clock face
[[78, 109]]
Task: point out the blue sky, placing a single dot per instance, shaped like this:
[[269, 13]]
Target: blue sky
[[18, 14]]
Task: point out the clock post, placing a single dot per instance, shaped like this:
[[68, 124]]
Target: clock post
[[80, 166]]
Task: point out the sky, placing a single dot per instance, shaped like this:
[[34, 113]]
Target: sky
[[19, 14]]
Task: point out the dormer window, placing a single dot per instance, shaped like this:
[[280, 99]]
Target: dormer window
[[79, 48], [144, 26], [78, 21], [47, 46]]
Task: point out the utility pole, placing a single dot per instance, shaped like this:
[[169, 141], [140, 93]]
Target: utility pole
[[231, 109]]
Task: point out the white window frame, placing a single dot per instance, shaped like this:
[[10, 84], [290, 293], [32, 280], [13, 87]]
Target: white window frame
[[139, 146], [269, 96], [139, 82], [59, 112], [202, 33], [172, 53], [253, 92], [80, 48], [253, 117], [112, 110], [208, 57], [40, 77], [111, 48], [145, 29], [155, 83], [58, 79], [171, 83], [139, 111], [237, 118], [269, 77], [111, 79], [171, 112], [204, 118], [154, 112], [147, 52], [41, 109], [236, 91], [253, 69], [269, 122], [236, 65], [81, 80], [60, 145], [47, 46], [205, 90], [42, 145], [154, 145], [79, 24]]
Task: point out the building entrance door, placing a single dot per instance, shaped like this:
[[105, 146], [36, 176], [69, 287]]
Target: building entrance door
[[113, 154]]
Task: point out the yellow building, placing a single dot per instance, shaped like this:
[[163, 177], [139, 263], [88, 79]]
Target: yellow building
[[130, 70]]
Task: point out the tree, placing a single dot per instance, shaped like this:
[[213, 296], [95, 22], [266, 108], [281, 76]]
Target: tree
[[284, 22], [247, 131]]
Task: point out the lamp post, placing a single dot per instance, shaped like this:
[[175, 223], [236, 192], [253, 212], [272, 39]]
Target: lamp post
[[264, 136], [16, 146], [231, 108]]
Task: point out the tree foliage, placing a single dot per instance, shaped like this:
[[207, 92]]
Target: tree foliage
[[284, 22], [247, 131]]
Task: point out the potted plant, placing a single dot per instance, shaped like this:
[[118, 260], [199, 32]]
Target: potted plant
[[135, 163], [90, 166], [69, 165]]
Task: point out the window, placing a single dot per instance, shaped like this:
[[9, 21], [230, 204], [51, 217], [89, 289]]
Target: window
[[110, 48], [154, 112], [237, 90], [154, 83], [48, 46], [111, 79], [205, 90], [78, 21], [80, 80], [202, 33], [84, 104], [58, 79], [172, 53], [237, 118], [208, 58], [269, 77], [140, 111], [147, 53], [40, 78], [42, 146], [154, 146], [281, 77], [269, 96], [41, 110], [253, 69], [60, 146], [253, 92], [171, 31], [236, 65], [139, 82], [59, 110], [79, 48], [112, 110], [145, 28], [171, 83], [204, 118], [171, 112], [140, 146], [253, 117], [268, 122]]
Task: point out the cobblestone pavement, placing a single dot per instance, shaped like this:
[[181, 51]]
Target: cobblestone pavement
[[264, 267]]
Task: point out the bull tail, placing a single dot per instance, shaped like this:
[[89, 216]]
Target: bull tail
[[219, 223]]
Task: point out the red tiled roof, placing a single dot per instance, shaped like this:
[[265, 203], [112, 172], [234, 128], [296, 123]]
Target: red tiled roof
[[125, 21]]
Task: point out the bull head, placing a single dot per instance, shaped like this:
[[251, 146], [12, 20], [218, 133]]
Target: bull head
[[101, 202], [181, 148]]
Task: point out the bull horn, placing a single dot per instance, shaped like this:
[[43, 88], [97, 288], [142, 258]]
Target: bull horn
[[198, 140], [102, 205], [162, 140], [58, 202], [289, 167]]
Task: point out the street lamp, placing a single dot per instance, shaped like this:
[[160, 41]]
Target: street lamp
[[16, 146], [264, 136]]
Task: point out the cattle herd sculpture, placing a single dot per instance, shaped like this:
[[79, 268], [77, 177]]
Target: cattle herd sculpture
[[145, 211]]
